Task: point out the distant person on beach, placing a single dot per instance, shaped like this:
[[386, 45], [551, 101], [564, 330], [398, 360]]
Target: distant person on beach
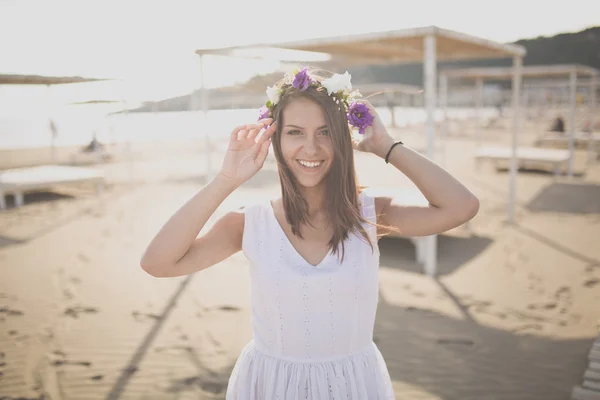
[[558, 125], [93, 146], [313, 252]]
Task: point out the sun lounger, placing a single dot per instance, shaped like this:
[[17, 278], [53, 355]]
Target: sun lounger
[[527, 157], [561, 141], [18, 181], [590, 387], [90, 157]]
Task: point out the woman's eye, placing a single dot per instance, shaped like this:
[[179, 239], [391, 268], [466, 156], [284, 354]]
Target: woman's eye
[[325, 132], [293, 132]]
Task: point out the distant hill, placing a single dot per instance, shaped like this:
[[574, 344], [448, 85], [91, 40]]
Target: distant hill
[[565, 48]]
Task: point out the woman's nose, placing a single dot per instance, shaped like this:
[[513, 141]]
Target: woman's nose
[[310, 145]]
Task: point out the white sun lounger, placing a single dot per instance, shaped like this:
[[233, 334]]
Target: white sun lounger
[[526, 156], [581, 139], [21, 180]]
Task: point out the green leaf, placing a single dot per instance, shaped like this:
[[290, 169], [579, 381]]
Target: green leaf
[[269, 104]]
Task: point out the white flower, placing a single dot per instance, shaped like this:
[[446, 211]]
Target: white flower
[[273, 94], [337, 83], [354, 95]]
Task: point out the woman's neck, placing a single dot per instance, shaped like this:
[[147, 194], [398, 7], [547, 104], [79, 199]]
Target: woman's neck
[[315, 199]]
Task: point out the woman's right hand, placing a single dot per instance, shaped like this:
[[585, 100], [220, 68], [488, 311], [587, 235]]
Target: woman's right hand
[[247, 151]]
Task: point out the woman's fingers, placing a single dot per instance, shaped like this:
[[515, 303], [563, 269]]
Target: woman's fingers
[[263, 152], [248, 132], [235, 133], [254, 131], [267, 133]]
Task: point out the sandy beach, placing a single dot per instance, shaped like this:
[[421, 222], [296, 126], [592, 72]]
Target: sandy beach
[[512, 313]]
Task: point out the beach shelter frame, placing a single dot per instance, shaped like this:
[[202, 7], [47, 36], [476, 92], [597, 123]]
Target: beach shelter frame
[[41, 80], [571, 71], [427, 45]]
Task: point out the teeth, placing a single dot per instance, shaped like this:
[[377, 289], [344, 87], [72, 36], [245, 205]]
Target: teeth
[[310, 164]]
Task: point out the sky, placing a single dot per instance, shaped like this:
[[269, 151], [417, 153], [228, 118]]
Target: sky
[[150, 44]]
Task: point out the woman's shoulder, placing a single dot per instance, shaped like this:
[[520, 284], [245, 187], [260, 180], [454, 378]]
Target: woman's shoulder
[[256, 209], [371, 197]]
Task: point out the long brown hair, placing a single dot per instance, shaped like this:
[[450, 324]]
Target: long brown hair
[[342, 188]]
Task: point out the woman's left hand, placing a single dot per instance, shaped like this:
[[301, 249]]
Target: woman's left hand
[[376, 138]]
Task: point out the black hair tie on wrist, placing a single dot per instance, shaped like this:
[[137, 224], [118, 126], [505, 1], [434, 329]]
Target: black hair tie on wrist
[[387, 157]]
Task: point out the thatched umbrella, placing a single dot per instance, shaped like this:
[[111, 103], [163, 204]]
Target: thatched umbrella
[[18, 79]]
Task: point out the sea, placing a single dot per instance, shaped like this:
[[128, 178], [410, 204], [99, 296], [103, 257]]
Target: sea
[[78, 125]]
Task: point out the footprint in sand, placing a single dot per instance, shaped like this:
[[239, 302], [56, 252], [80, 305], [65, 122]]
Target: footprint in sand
[[11, 312], [220, 308], [591, 282], [564, 297], [591, 268], [534, 327], [97, 377], [83, 257], [228, 308], [75, 280], [210, 386], [139, 316], [59, 358], [545, 306], [75, 311], [460, 341]]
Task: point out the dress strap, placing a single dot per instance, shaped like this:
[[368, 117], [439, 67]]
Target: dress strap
[[367, 207], [368, 211], [254, 221]]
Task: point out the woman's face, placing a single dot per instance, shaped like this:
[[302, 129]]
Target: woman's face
[[306, 146]]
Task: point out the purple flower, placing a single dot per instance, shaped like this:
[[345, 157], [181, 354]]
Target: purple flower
[[302, 80], [359, 116], [264, 113]]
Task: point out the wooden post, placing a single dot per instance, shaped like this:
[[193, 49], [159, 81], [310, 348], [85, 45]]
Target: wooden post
[[391, 105], [572, 122], [430, 106], [204, 104], [478, 106], [444, 104], [592, 112], [516, 96]]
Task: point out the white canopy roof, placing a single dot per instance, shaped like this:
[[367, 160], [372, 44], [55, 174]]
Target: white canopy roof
[[529, 71], [398, 46]]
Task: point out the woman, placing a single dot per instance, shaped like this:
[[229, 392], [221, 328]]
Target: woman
[[313, 252]]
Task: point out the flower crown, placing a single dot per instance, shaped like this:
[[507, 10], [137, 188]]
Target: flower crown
[[338, 86]]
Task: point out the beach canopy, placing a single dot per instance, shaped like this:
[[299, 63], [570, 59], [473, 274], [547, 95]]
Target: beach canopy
[[529, 71], [573, 72], [427, 45], [397, 46], [13, 79]]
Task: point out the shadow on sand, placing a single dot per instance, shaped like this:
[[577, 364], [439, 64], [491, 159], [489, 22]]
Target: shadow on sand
[[432, 356], [573, 198], [460, 359], [38, 197], [453, 251]]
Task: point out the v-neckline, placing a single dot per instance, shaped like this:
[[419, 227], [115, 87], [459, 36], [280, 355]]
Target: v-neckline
[[291, 245]]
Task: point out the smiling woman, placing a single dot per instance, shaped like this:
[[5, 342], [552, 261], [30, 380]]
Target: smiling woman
[[313, 252]]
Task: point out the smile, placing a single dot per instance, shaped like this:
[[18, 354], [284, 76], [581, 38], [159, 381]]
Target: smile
[[310, 164]]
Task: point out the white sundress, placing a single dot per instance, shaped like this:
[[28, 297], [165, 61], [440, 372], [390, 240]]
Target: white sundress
[[312, 325]]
